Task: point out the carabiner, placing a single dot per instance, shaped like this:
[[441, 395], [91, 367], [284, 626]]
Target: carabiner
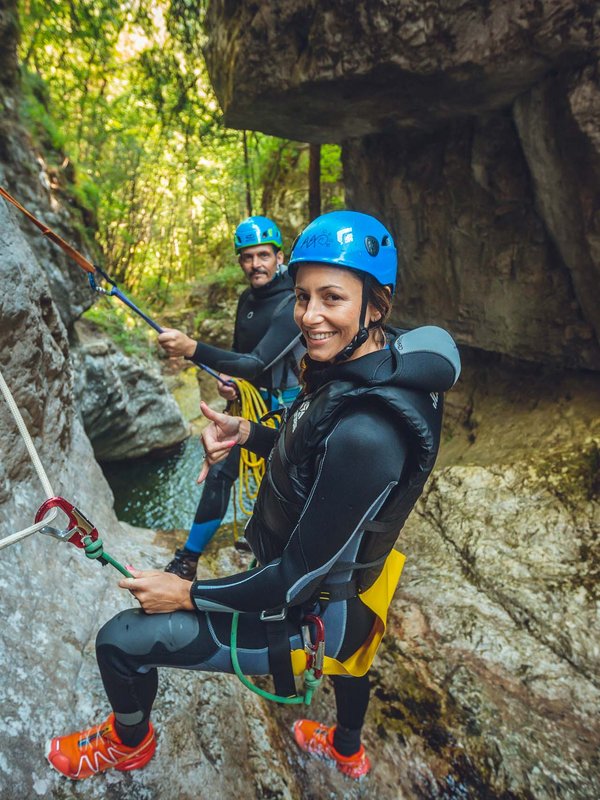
[[99, 289], [315, 651], [80, 527]]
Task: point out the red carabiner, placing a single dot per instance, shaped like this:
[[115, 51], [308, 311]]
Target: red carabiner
[[314, 650], [79, 524]]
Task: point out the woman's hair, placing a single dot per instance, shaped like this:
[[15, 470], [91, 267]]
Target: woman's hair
[[380, 298]]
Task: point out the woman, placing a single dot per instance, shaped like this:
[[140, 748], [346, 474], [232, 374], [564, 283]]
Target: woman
[[344, 471]]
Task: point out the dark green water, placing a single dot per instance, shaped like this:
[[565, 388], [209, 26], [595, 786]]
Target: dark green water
[[159, 493]]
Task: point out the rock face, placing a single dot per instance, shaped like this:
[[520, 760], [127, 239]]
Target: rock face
[[126, 409], [471, 129]]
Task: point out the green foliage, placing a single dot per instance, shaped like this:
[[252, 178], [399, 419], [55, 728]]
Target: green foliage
[[41, 123], [122, 90], [127, 331]]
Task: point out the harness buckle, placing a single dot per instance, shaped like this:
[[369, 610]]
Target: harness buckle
[[273, 615], [80, 530], [315, 651]]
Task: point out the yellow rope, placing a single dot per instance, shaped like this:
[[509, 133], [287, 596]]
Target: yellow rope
[[250, 405]]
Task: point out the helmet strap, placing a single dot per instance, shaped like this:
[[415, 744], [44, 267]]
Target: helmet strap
[[363, 331]]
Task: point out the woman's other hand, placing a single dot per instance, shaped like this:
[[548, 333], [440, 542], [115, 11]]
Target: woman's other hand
[[223, 433]]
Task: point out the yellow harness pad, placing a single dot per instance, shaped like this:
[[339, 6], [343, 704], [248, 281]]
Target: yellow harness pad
[[378, 598]]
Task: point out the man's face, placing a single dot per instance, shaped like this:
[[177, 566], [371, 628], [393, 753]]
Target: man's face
[[260, 264]]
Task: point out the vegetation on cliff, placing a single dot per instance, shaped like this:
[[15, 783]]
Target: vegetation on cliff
[[119, 103]]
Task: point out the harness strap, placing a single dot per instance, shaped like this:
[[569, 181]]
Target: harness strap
[[280, 662], [381, 526], [344, 566], [334, 592]]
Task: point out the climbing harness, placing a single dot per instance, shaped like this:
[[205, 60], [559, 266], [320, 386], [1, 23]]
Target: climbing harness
[[80, 532], [313, 672], [281, 664]]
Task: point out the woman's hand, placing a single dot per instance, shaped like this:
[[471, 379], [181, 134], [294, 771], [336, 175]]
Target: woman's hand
[[223, 433], [158, 592], [227, 391], [176, 343]]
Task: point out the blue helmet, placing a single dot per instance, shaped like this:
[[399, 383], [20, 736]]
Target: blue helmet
[[257, 230], [348, 239]]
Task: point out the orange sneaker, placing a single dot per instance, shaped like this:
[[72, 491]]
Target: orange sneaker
[[317, 739], [85, 753]]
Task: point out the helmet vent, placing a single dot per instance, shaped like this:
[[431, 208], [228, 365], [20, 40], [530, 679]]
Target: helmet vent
[[371, 245], [385, 242]]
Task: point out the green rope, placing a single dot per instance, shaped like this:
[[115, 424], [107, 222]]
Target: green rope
[[311, 684], [96, 550]]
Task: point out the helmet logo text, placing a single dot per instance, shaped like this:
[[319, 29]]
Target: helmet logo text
[[316, 240]]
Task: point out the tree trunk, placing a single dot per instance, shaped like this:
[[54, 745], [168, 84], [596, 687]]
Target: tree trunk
[[314, 181], [247, 175]]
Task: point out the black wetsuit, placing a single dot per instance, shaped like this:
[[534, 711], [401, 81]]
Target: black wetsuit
[[266, 340], [266, 351], [363, 467]]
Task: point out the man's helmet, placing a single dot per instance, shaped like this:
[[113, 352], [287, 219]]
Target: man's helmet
[[257, 230], [348, 239]]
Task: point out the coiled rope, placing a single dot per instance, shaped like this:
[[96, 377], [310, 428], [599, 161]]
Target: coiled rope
[[250, 405], [35, 459]]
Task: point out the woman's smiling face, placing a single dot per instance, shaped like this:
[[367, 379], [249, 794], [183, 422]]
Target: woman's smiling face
[[327, 311]]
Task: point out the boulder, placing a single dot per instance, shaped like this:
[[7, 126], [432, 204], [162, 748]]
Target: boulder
[[126, 408]]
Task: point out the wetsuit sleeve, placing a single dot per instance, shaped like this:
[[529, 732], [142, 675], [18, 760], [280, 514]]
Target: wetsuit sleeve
[[360, 462], [429, 359], [281, 336], [261, 439]]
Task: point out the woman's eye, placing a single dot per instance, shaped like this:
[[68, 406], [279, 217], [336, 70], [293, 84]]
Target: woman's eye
[[333, 298]]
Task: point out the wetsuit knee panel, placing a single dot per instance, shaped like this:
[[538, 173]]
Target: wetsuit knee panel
[[134, 632]]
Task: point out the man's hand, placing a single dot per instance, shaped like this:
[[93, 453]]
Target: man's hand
[[223, 433], [176, 343], [228, 393], [158, 592]]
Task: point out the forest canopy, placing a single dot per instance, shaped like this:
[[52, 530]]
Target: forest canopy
[[119, 102]]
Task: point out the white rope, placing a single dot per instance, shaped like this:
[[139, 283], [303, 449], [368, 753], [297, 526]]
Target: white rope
[[15, 537]]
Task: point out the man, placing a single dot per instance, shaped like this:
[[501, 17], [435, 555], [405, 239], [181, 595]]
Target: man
[[266, 351]]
